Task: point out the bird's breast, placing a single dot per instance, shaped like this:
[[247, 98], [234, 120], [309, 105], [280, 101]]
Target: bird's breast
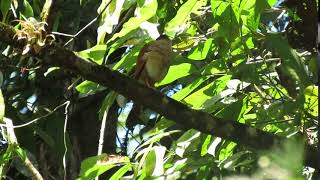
[[157, 65]]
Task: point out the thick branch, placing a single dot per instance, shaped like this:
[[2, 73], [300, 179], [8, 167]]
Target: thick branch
[[171, 109]]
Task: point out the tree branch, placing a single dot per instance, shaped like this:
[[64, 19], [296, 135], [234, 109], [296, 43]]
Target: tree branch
[[171, 109]]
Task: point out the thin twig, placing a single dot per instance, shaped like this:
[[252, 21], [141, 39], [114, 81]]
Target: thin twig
[[65, 140], [36, 119], [89, 24]]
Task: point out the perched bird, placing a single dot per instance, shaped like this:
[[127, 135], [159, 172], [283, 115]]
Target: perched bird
[[152, 66], [153, 61]]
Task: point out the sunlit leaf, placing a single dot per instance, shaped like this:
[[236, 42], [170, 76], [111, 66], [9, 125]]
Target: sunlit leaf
[[94, 166], [188, 89], [172, 27], [95, 53], [117, 175], [88, 87], [311, 100], [227, 150], [128, 60], [146, 12], [150, 162], [177, 71], [185, 140], [215, 67], [201, 51], [213, 146], [233, 111], [184, 45], [109, 18], [202, 95], [205, 145]]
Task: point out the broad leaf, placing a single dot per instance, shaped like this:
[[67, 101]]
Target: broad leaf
[[177, 71]]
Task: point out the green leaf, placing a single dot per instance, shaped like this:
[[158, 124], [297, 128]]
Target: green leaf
[[27, 10], [117, 175], [21, 153], [213, 146], [311, 100], [96, 53], [109, 18], [205, 145], [4, 7], [201, 51], [107, 103], [150, 162], [215, 67], [226, 150], [182, 15], [186, 140], [2, 107], [146, 12], [218, 7], [94, 166], [156, 138], [291, 64], [233, 111], [176, 72], [272, 2], [127, 62], [88, 87], [231, 161], [188, 89], [201, 96]]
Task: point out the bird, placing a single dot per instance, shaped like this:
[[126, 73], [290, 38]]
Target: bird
[[153, 61], [152, 66]]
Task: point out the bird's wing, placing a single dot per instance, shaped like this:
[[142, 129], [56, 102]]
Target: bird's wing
[[141, 61]]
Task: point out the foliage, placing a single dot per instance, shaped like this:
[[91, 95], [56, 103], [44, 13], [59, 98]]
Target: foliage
[[228, 61]]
